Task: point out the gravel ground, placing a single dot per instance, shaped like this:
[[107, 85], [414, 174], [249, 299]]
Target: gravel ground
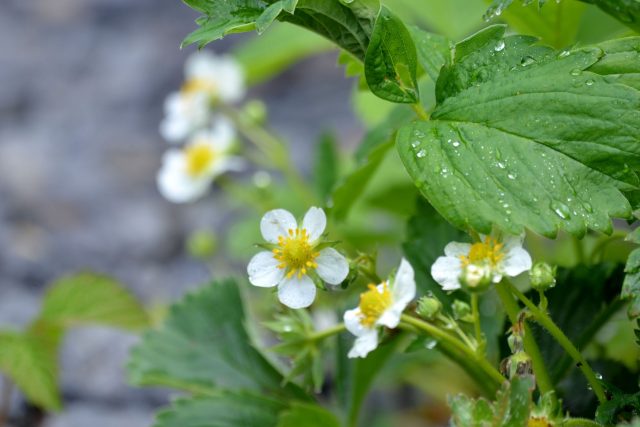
[[81, 90]]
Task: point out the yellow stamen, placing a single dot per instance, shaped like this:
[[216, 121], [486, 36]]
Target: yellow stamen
[[295, 253], [539, 422], [196, 85], [373, 303], [199, 157], [487, 252]]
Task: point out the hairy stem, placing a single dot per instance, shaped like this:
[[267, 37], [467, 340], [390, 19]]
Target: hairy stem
[[475, 313], [543, 319], [530, 346]]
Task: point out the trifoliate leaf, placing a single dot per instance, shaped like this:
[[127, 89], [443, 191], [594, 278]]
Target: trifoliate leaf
[[88, 298], [523, 136], [203, 347]]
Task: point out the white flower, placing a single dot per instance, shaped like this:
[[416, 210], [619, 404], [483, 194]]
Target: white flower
[[294, 256], [488, 258], [209, 78], [381, 305], [187, 173]]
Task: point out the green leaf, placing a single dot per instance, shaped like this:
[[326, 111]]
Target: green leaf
[[260, 61], [434, 51], [203, 347], [325, 170], [631, 284], [349, 26], [621, 63], [391, 60], [609, 412], [354, 184], [307, 415], [625, 11], [89, 298], [222, 18], [522, 137], [32, 366], [511, 409], [225, 410]]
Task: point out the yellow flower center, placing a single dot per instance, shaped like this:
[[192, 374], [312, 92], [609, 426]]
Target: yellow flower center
[[539, 422], [487, 252], [199, 158], [198, 85], [373, 303], [295, 253]]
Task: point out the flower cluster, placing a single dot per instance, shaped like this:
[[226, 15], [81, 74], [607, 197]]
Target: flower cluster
[[188, 171], [299, 259]]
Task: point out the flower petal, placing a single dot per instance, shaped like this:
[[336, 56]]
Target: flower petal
[[446, 271], [352, 322], [391, 317], [364, 344], [173, 182], [297, 292], [263, 270], [332, 266], [277, 223], [222, 134], [516, 261], [315, 221], [404, 284], [456, 249]]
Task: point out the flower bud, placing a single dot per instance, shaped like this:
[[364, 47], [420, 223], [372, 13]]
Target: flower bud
[[476, 278], [543, 276], [256, 110], [428, 307], [461, 311], [202, 244]]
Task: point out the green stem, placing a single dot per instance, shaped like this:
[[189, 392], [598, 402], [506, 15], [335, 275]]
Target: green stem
[[475, 313], [456, 344], [530, 346], [579, 250], [320, 335], [453, 325], [420, 111], [543, 319]]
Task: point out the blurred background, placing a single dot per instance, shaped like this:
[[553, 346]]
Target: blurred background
[[82, 84]]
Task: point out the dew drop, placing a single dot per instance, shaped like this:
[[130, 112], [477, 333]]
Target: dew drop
[[587, 207], [501, 165], [576, 72], [561, 209], [420, 154], [511, 176], [527, 60], [430, 344], [589, 82], [415, 144], [456, 144], [500, 46], [564, 54]]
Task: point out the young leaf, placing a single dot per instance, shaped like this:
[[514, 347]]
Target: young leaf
[[203, 346], [522, 137], [224, 410], [391, 60], [34, 369], [88, 298]]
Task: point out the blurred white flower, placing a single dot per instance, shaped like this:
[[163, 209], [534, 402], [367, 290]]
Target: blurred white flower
[[381, 305], [488, 259], [295, 256], [187, 173], [209, 79]]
